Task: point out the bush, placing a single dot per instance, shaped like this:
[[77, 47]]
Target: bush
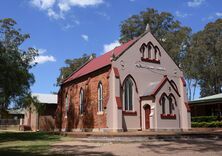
[[205, 119], [217, 124]]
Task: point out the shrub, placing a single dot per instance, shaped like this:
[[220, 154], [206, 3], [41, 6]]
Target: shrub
[[205, 119], [217, 124]]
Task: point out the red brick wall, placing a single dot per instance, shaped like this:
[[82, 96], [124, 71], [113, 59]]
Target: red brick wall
[[90, 119]]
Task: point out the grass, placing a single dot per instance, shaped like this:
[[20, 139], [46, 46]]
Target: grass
[[28, 143]]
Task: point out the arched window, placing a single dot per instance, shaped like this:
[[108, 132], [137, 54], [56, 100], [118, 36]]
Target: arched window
[[163, 102], [128, 95], [81, 101], [66, 105], [172, 103], [149, 51], [100, 97]]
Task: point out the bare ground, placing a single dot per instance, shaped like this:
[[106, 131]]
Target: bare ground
[[179, 147]]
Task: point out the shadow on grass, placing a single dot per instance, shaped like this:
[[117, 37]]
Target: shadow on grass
[[179, 145], [39, 143], [60, 151], [27, 136]]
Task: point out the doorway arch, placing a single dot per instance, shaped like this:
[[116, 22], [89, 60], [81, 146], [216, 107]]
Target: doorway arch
[[147, 111]]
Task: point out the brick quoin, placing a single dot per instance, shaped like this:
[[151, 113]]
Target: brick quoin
[[90, 118]]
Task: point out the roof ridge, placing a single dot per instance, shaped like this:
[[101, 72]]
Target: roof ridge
[[89, 60]]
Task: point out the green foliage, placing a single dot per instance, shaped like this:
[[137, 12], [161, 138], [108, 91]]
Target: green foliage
[[212, 124], [168, 31], [72, 65], [204, 59], [15, 63], [204, 118]]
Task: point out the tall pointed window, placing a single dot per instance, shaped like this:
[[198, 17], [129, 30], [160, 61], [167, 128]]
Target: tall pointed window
[[128, 95], [100, 97], [81, 101], [163, 99], [66, 105]]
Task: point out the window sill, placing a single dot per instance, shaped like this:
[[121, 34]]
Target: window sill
[[100, 113], [150, 60], [130, 113], [168, 116]]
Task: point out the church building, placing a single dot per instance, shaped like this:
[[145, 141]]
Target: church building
[[135, 86]]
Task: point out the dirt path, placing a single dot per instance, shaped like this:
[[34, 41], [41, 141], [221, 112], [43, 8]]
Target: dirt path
[[193, 147]]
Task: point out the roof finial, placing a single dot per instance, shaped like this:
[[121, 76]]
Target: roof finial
[[148, 28], [112, 58], [91, 57]]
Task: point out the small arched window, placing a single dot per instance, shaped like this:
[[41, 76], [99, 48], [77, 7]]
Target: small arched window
[[100, 97], [149, 51], [128, 95], [172, 103], [66, 105], [81, 101], [163, 103]]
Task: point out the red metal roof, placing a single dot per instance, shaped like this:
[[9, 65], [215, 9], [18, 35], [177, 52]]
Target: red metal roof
[[99, 62]]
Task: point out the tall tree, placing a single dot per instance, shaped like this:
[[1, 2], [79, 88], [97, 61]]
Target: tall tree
[[206, 58], [169, 32], [15, 63], [72, 65]]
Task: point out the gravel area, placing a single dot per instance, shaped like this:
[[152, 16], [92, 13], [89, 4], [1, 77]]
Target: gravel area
[[140, 146]]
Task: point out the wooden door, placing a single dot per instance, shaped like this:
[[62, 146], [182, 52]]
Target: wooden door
[[147, 116]]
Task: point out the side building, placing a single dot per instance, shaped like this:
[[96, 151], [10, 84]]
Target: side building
[[45, 119], [207, 106]]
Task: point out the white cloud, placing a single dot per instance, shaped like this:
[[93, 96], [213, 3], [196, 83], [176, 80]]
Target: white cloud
[[219, 14], [51, 13], [85, 37], [181, 15], [41, 51], [195, 3], [56, 8], [43, 58], [43, 4], [65, 5], [110, 46]]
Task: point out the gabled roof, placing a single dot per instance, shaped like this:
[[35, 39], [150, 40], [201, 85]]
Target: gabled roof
[[99, 62], [212, 99], [154, 87], [46, 98]]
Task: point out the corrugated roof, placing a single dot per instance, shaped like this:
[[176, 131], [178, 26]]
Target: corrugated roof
[[99, 62], [46, 98], [215, 97]]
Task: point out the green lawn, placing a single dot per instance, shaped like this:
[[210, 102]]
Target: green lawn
[[27, 143]]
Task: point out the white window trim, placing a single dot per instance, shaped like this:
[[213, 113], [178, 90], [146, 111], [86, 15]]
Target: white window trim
[[100, 97], [124, 91], [81, 105], [66, 105]]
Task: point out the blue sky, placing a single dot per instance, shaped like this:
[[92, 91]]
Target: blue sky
[[63, 29]]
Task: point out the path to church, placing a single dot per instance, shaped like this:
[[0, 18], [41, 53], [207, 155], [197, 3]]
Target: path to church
[[179, 147]]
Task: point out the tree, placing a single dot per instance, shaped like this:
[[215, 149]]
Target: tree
[[205, 57], [72, 65], [168, 31], [15, 63]]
